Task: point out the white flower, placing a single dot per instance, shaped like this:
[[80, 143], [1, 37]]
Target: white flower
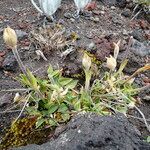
[[54, 95], [48, 7], [17, 97], [131, 105], [116, 49], [81, 4], [62, 94]]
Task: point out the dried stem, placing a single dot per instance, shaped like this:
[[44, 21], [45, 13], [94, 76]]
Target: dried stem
[[144, 119], [146, 67], [128, 48], [22, 109], [16, 54], [136, 14], [14, 90], [142, 88]]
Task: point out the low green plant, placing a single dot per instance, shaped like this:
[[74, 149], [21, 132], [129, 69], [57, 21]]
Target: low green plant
[[50, 98], [143, 2], [54, 100], [143, 6], [148, 139], [140, 7]]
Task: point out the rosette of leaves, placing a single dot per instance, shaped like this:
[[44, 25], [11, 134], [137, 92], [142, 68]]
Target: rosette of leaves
[[50, 98]]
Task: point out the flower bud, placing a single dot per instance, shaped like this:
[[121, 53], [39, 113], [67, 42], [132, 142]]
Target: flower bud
[[17, 97], [131, 105], [116, 49], [10, 37], [111, 63], [86, 62]]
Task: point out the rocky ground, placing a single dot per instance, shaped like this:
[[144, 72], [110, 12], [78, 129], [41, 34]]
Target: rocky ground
[[92, 132], [95, 31]]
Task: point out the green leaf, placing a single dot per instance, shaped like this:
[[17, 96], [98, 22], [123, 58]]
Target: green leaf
[[54, 87], [52, 122], [64, 81], [72, 84], [77, 106], [105, 113], [62, 108], [25, 80], [52, 108], [53, 76], [32, 79], [122, 66], [148, 139], [55, 73], [50, 70], [122, 109], [65, 117], [43, 85], [33, 111], [39, 122]]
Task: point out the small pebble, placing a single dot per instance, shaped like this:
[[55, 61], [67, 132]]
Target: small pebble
[[113, 7]]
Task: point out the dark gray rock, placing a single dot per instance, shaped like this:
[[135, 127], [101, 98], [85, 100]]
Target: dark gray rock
[[120, 3], [68, 15], [10, 63], [138, 35], [147, 16], [134, 62], [21, 34], [136, 55], [140, 49], [5, 99], [126, 13], [93, 132]]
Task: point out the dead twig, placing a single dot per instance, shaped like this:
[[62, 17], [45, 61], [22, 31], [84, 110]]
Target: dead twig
[[128, 48], [144, 119], [136, 15], [11, 111], [27, 99], [134, 117], [14, 90]]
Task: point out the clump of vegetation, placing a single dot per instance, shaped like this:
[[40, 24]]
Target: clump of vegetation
[[50, 38], [143, 2], [148, 139], [141, 6], [54, 100], [50, 99]]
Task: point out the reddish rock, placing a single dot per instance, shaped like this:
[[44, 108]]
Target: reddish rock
[[1, 17], [2, 54], [104, 47], [91, 6]]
